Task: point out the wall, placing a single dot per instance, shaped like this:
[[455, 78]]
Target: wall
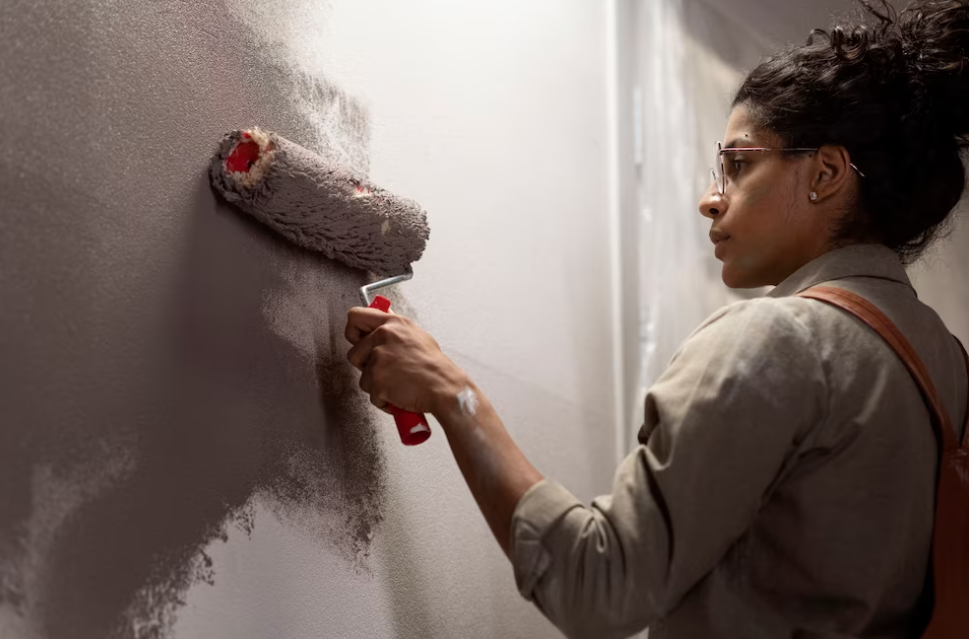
[[183, 452]]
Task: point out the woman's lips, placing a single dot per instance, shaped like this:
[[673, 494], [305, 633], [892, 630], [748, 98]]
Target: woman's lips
[[719, 239]]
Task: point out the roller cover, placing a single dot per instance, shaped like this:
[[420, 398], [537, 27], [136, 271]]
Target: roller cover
[[317, 204]]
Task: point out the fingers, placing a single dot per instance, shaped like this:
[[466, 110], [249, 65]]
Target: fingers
[[366, 379], [368, 329], [362, 353], [382, 346], [366, 385], [363, 321], [381, 404]]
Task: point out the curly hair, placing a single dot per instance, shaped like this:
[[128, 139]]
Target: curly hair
[[893, 90]]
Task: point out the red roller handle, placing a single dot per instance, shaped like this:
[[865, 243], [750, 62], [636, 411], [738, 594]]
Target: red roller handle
[[413, 427]]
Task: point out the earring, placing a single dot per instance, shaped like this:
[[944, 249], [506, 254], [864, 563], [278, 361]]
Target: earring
[[813, 196]]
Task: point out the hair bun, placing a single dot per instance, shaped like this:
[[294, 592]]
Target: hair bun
[[935, 41], [924, 47], [892, 88]]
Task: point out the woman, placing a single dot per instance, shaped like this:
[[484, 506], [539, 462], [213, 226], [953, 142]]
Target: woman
[[785, 478]]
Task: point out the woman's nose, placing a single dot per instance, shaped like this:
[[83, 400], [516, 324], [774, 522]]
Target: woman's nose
[[712, 204]]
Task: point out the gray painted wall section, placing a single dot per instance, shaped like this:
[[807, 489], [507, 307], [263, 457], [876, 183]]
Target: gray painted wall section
[[148, 392]]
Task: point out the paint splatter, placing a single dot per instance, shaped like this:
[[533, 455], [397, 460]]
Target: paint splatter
[[468, 402]]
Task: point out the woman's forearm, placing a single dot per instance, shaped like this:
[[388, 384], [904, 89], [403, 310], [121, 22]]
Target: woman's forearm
[[402, 365], [493, 466]]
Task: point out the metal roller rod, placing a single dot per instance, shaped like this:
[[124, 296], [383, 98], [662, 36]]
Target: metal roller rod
[[367, 290]]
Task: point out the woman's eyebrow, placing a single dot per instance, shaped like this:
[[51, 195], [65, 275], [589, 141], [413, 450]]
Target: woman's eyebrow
[[745, 143]]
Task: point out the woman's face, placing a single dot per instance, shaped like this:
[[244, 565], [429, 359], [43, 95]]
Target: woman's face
[[764, 226]]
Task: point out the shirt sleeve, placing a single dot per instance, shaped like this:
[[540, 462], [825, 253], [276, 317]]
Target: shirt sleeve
[[738, 396]]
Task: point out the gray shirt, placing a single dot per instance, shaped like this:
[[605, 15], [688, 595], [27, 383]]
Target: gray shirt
[[783, 485]]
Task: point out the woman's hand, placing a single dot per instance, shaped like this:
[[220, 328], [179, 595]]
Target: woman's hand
[[404, 366], [400, 363]]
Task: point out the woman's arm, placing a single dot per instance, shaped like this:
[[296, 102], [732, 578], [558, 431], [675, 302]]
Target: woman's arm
[[492, 464], [721, 422], [402, 365]]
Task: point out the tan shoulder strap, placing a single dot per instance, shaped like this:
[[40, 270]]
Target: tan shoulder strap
[[950, 536], [873, 317]]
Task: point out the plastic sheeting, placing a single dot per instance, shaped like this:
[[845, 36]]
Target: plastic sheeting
[[683, 98]]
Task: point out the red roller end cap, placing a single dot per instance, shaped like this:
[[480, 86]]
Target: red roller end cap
[[242, 157]]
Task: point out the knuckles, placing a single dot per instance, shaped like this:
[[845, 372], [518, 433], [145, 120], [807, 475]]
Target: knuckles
[[378, 376], [392, 326], [374, 353], [387, 333], [375, 359]]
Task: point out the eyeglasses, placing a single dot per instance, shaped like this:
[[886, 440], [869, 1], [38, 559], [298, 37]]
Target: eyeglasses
[[720, 177]]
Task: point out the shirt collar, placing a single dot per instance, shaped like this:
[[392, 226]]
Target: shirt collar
[[857, 260]]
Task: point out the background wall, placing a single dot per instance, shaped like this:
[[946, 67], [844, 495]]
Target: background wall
[[183, 449]]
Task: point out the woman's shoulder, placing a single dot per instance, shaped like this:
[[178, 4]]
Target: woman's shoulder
[[752, 359], [790, 328], [766, 341], [793, 319]]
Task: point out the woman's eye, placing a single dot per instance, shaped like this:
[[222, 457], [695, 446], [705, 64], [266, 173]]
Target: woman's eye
[[736, 165]]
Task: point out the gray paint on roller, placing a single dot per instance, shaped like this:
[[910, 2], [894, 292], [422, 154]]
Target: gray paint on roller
[[317, 204], [165, 363]]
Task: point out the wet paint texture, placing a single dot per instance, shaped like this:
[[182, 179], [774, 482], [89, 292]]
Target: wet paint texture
[[167, 363]]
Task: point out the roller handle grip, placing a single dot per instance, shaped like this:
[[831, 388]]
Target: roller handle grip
[[413, 427]]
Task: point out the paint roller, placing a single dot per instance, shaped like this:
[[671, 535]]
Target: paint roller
[[325, 207]]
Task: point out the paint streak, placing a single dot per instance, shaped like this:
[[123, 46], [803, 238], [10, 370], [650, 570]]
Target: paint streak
[[168, 364]]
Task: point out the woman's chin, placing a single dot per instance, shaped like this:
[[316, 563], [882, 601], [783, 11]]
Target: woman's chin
[[737, 278], [728, 275]]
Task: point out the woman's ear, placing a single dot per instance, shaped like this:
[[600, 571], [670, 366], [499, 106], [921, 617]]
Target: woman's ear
[[830, 173]]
